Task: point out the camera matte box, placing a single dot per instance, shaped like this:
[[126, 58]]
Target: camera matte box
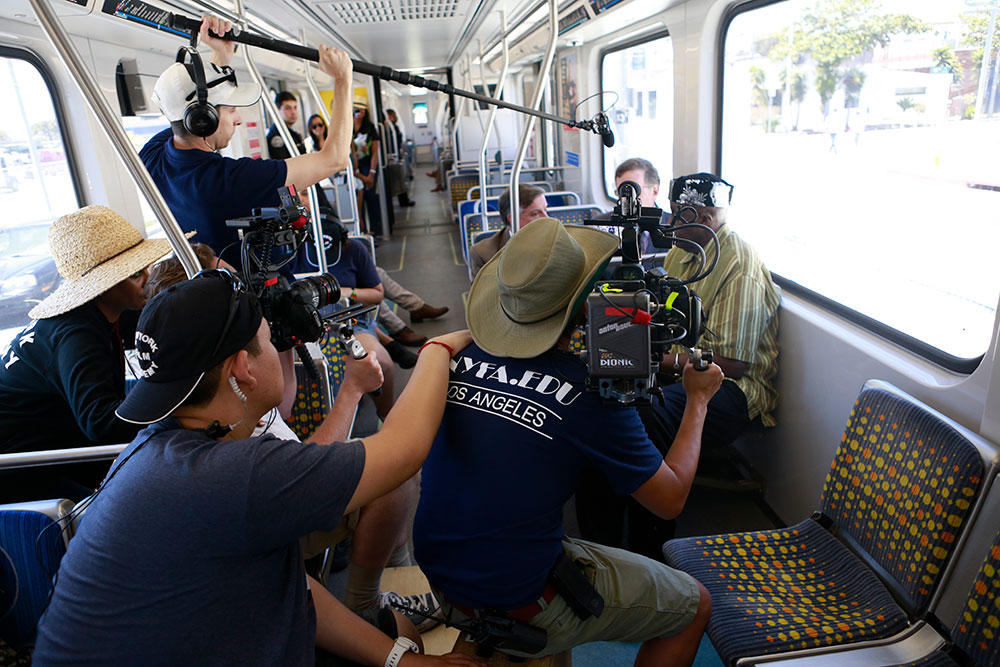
[[616, 347]]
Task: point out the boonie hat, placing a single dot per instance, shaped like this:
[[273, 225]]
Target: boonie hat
[[184, 331], [175, 90], [94, 249], [522, 299]]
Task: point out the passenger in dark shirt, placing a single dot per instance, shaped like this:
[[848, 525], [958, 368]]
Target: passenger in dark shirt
[[62, 378], [288, 106]]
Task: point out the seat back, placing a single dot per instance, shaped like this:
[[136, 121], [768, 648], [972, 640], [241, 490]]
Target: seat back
[[312, 400], [901, 486], [573, 215], [458, 186], [27, 564], [472, 224]]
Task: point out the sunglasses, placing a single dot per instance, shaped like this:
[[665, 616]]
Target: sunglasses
[[238, 288], [316, 126]]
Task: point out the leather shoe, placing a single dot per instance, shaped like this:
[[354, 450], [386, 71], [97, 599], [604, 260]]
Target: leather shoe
[[408, 336], [427, 312]]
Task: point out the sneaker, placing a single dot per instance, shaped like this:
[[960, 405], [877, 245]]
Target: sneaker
[[425, 602], [404, 358]]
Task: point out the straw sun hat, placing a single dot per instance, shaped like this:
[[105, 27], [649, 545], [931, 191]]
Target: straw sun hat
[[522, 299], [94, 250]]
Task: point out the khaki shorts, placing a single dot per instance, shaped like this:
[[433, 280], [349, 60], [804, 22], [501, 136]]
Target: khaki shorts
[[319, 541], [643, 599]]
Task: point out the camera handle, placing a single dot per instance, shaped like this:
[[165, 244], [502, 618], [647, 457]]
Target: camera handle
[[353, 347], [700, 359]]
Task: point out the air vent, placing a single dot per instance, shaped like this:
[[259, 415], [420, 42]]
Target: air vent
[[355, 12]]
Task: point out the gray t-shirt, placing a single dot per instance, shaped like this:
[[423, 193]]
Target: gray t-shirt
[[191, 555]]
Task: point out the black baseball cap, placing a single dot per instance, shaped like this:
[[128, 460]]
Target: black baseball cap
[[184, 331]]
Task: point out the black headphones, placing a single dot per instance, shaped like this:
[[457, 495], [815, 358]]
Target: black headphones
[[201, 118]]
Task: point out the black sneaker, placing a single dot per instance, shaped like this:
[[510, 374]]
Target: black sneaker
[[403, 357], [407, 605]]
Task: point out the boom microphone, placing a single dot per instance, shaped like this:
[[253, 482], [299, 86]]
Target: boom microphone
[[603, 128], [178, 24]]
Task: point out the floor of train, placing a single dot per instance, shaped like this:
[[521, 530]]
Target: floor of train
[[425, 255]]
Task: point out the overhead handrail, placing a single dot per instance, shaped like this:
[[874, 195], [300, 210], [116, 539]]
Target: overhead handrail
[[529, 126], [57, 456], [355, 218], [109, 121], [286, 135], [493, 113]]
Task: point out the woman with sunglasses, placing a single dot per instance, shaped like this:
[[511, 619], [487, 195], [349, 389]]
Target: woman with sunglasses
[[317, 131]]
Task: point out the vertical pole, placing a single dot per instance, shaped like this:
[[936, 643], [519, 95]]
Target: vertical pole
[[529, 126], [385, 207], [325, 113], [985, 65], [493, 112]]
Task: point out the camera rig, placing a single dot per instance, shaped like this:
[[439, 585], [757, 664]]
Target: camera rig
[[292, 309], [639, 313]]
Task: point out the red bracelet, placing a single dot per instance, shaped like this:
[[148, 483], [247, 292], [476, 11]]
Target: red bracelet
[[451, 352]]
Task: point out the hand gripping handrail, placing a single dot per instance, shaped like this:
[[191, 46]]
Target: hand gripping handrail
[[109, 121], [529, 126]]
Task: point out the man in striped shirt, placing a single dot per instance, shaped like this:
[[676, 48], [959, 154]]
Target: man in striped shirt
[[741, 328]]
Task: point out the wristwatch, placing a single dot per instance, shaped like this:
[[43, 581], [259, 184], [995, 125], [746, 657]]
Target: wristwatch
[[402, 646]]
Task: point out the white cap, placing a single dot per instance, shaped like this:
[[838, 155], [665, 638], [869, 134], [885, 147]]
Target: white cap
[[175, 90]]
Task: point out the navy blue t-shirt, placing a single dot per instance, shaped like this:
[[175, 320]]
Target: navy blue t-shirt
[[356, 267], [204, 189], [515, 439], [190, 555]]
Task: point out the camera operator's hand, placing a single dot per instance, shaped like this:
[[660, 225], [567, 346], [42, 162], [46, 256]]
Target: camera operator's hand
[[456, 340], [222, 49], [702, 385], [336, 63], [363, 375]]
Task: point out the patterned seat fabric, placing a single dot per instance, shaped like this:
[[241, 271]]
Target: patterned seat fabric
[[977, 631], [24, 581], [576, 342], [901, 484], [311, 402], [785, 590], [459, 186]]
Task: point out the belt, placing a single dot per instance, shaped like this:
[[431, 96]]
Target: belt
[[523, 614]]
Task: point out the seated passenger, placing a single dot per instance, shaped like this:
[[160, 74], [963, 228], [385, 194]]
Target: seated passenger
[[518, 432], [189, 552], [419, 311], [644, 174], [62, 378], [531, 201], [741, 319]]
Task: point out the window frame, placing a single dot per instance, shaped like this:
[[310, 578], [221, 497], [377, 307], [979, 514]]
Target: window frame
[[924, 350], [604, 53], [35, 60]]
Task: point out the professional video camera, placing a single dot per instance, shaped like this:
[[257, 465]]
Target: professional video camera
[[292, 309], [638, 314]]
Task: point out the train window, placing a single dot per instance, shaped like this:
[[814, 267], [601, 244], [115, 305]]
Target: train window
[[141, 129], [36, 187], [420, 114], [851, 133], [641, 73]]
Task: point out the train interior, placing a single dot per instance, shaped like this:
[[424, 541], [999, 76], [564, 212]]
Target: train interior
[[873, 202]]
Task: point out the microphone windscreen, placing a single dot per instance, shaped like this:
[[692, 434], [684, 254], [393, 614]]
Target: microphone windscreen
[[608, 137]]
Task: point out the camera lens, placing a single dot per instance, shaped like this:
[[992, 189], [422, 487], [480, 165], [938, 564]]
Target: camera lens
[[321, 290]]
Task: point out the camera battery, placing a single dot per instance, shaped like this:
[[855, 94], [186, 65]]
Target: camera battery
[[616, 346]]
